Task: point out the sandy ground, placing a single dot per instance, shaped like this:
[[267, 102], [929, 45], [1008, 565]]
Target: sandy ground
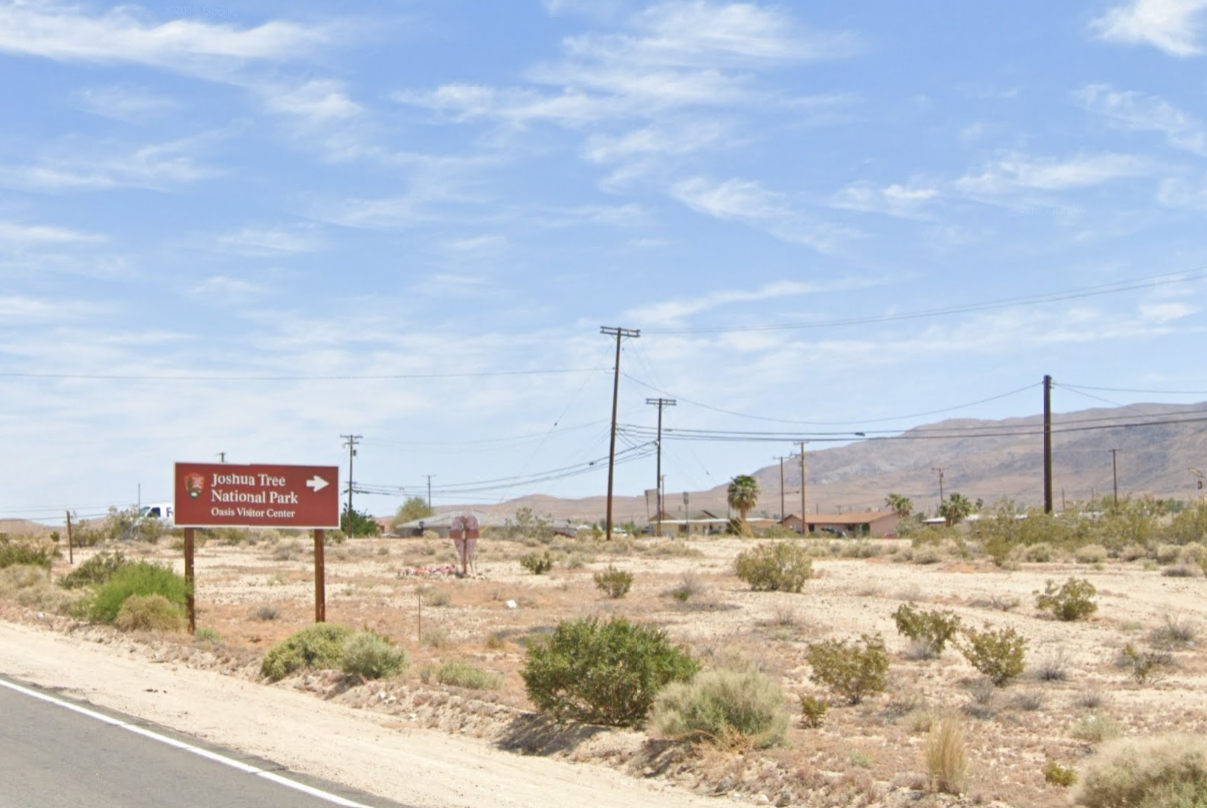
[[366, 750], [418, 742]]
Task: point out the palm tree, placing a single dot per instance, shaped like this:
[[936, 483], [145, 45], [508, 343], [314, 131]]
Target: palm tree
[[899, 503], [743, 495], [955, 509]]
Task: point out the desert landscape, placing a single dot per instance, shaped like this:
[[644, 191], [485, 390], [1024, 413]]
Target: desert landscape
[[1079, 689]]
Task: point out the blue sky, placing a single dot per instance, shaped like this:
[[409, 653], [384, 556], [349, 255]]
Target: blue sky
[[253, 228]]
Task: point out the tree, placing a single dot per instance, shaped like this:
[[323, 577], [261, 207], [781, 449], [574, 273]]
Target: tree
[[414, 508], [362, 524], [743, 495], [956, 509], [899, 503]]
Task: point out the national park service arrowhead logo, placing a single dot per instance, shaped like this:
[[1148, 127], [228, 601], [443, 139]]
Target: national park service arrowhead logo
[[194, 483]]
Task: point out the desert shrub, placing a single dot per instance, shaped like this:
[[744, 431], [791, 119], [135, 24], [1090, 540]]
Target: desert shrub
[[689, 587], [1145, 666], [1190, 525], [1030, 700], [616, 583], [139, 578], [1073, 600], [371, 656], [848, 669], [1092, 699], [1095, 728], [26, 551], [775, 566], [266, 612], [96, 570], [1057, 775], [318, 646], [30, 586], [813, 710], [207, 634], [1181, 571], [930, 631], [734, 706], [927, 555], [1167, 553], [1165, 772], [860, 548], [1052, 666], [947, 756], [1133, 552], [436, 637], [1175, 630], [151, 612], [602, 672], [1195, 555], [999, 654], [459, 673], [537, 563], [1001, 603], [1090, 554], [438, 598], [1040, 553]]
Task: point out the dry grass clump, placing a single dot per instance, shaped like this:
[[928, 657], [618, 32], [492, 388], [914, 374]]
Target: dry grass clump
[[30, 586], [459, 673], [947, 756], [1053, 666], [734, 706], [1175, 630], [1090, 554], [1095, 728], [151, 612], [1181, 571], [1166, 772], [690, 586]]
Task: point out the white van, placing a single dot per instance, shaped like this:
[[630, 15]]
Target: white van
[[165, 512]]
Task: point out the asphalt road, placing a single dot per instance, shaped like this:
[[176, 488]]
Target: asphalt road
[[53, 756]]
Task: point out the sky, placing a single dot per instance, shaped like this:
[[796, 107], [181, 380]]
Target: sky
[[246, 230]]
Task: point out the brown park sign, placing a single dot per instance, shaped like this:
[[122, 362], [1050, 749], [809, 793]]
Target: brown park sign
[[230, 495]]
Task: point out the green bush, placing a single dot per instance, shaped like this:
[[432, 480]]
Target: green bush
[[616, 583], [929, 631], [775, 566], [318, 646], [603, 672], [813, 711], [537, 563], [458, 673], [96, 570], [140, 578], [1000, 655], [151, 612], [1146, 666], [26, 551], [1057, 775], [369, 655], [1073, 600], [849, 670], [1166, 772], [735, 706]]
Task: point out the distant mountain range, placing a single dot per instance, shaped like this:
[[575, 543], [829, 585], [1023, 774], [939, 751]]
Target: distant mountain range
[[1157, 446]]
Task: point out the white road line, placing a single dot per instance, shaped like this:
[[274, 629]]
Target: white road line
[[187, 747]]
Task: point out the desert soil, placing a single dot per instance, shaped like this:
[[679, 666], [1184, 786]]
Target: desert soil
[[413, 740]]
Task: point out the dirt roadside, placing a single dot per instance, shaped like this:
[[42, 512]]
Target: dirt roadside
[[361, 749]]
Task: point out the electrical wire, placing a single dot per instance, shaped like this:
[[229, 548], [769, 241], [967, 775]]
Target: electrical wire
[[339, 378]]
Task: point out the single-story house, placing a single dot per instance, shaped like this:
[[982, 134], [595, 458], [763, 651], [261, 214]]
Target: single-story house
[[877, 524]]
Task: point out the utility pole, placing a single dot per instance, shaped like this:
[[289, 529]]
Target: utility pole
[[429, 490], [804, 506], [620, 334], [941, 473], [221, 457], [350, 442], [1047, 444], [660, 403], [1115, 474], [687, 514], [782, 514]]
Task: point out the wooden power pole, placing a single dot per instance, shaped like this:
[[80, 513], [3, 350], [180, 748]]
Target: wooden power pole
[[620, 334]]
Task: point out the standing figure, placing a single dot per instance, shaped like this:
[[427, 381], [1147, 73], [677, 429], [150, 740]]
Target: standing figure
[[465, 533]]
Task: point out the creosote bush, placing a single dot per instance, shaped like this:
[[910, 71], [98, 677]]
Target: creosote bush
[[850, 670], [150, 613], [1000, 654], [782, 566], [929, 631], [813, 711], [537, 563], [600, 672], [319, 646], [947, 756], [1072, 600], [459, 673], [734, 706], [372, 656], [96, 570], [616, 583], [139, 578], [1165, 772], [26, 551], [1057, 775]]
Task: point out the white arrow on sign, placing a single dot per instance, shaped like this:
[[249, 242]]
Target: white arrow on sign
[[317, 483]]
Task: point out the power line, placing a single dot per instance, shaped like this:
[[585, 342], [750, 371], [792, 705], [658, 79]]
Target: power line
[[350, 377], [1115, 287], [1068, 386]]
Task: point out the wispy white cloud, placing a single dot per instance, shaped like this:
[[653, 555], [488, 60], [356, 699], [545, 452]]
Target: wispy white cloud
[[225, 289], [125, 34], [1173, 26], [1140, 112], [1176, 192], [19, 309], [1166, 312], [269, 241], [657, 139], [122, 103], [1017, 172], [17, 236], [906, 201], [674, 310], [156, 166], [319, 101]]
